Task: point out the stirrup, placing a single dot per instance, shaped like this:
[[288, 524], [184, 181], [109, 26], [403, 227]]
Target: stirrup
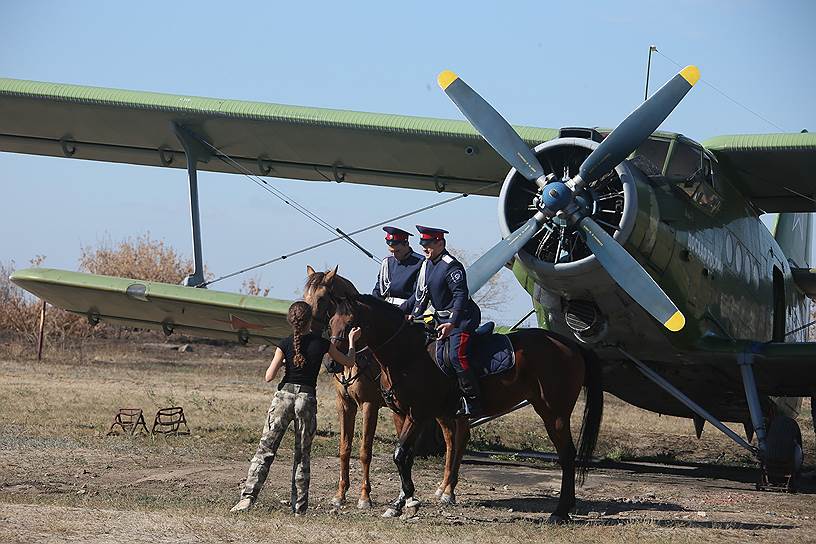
[[469, 408]]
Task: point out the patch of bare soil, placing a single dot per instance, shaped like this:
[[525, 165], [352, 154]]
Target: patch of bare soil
[[62, 480]]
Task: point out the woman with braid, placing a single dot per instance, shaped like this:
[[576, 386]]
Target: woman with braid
[[301, 353]]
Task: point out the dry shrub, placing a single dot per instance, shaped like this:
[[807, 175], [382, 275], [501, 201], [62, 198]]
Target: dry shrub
[[139, 258], [20, 312], [252, 287]]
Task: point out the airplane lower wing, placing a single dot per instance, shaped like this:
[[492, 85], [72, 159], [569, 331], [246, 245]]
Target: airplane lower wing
[[265, 139], [786, 370], [161, 306], [780, 369]]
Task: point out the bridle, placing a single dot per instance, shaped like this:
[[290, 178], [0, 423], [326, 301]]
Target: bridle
[[388, 393]]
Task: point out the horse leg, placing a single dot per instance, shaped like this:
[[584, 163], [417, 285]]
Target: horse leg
[[346, 411], [404, 459], [460, 439], [370, 410], [443, 492], [558, 429]]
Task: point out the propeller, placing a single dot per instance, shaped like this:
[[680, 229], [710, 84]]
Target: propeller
[[557, 197], [492, 126]]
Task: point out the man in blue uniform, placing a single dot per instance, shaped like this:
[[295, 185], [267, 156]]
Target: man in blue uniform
[[443, 284], [398, 271]]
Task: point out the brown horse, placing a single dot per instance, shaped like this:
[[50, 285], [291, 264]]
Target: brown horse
[[355, 388], [549, 372]]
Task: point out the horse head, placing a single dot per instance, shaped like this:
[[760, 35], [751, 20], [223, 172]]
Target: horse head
[[321, 292], [380, 322]]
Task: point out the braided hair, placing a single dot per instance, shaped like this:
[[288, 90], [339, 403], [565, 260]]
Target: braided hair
[[299, 317]]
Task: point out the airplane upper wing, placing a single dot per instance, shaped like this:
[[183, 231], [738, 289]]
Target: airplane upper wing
[[777, 172], [267, 139], [161, 306]]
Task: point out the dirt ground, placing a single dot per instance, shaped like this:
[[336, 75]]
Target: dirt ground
[[63, 480]]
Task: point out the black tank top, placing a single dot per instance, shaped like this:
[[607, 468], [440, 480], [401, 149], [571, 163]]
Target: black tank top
[[313, 347]]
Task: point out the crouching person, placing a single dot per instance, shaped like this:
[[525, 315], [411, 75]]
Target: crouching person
[[301, 355]]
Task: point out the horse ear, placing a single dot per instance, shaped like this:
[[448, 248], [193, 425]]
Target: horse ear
[[309, 270], [329, 277]]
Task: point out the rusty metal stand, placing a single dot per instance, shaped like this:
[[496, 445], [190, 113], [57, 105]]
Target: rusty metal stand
[[129, 420], [169, 421], [41, 332]]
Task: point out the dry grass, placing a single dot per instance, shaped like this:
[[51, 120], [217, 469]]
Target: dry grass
[[141, 257], [62, 479]]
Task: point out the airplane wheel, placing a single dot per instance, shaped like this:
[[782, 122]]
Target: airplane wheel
[[784, 452]]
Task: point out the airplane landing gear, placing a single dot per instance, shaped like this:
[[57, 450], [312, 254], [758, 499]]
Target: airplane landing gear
[[784, 456]]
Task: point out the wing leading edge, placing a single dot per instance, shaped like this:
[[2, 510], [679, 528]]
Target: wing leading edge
[[161, 306], [774, 171], [267, 139]]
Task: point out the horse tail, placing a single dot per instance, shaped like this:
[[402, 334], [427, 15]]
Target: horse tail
[[593, 413]]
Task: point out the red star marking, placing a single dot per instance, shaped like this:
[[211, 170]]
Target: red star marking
[[237, 324]]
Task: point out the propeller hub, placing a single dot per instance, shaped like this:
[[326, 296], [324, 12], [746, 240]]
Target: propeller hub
[[555, 196]]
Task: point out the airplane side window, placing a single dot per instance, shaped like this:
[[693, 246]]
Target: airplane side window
[[704, 193], [692, 172], [650, 156], [685, 162]]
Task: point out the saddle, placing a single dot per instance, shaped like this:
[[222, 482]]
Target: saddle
[[488, 353]]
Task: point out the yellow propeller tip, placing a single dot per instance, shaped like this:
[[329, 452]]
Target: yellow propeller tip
[[691, 74], [446, 78], [676, 322]]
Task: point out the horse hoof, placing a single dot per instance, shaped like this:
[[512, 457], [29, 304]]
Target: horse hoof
[[410, 511], [364, 504], [412, 502], [556, 519], [448, 500], [338, 502], [391, 513]]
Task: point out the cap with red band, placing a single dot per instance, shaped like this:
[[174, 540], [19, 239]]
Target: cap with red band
[[393, 234], [431, 233]]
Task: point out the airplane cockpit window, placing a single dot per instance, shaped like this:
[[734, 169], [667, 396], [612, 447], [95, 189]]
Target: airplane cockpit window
[[693, 172], [650, 156]]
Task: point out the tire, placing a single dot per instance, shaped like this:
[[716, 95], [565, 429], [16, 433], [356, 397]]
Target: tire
[[784, 454]]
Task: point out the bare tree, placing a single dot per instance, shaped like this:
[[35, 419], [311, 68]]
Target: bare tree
[[494, 295]]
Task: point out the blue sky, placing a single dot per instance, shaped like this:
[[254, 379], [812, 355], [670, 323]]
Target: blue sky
[[539, 63]]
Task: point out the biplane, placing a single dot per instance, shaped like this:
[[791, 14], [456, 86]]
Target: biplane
[[643, 244]]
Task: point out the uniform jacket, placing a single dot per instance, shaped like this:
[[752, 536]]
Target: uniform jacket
[[397, 278], [443, 283]]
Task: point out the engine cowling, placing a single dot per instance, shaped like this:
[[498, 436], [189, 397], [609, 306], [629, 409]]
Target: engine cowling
[[557, 251]]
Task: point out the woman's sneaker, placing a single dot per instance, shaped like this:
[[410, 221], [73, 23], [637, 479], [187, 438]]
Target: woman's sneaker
[[243, 505]]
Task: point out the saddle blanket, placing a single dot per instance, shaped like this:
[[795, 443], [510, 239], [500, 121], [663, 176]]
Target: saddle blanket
[[489, 354]]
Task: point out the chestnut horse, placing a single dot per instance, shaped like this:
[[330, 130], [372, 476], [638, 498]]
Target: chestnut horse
[[549, 372], [356, 389]]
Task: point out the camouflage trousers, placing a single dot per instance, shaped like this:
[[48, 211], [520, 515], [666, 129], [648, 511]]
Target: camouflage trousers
[[292, 402]]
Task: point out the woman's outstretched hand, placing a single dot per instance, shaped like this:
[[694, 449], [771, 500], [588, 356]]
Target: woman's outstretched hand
[[354, 335]]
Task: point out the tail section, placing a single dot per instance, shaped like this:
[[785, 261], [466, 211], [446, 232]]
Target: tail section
[[593, 413], [794, 234]]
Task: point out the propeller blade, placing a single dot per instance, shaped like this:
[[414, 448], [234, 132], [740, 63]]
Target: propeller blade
[[491, 125], [491, 262], [632, 278], [640, 124]]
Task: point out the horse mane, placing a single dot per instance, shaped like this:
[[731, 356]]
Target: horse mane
[[316, 280], [379, 304]]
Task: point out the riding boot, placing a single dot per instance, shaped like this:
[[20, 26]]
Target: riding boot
[[469, 385]]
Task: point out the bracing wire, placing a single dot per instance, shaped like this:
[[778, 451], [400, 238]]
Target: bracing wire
[[743, 106], [358, 231], [226, 159]]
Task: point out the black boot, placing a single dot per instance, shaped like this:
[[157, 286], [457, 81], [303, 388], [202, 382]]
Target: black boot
[[469, 385]]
